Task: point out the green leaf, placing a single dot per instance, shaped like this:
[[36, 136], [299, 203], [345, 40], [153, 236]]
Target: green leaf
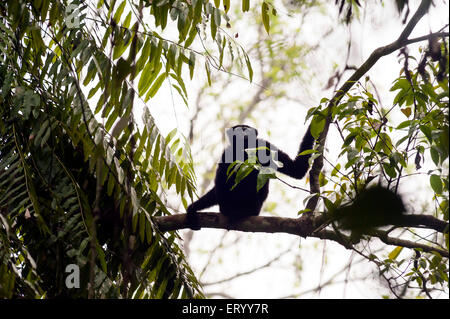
[[384, 143], [336, 170], [217, 17], [123, 69], [317, 126], [148, 77], [192, 35], [181, 83], [111, 184], [213, 24], [436, 183], [111, 119], [329, 204], [404, 124], [222, 51], [322, 180], [245, 5], [155, 56], [394, 253], [101, 257], [243, 172], [434, 152], [303, 211], [142, 221], [191, 64], [208, 72], [127, 21], [145, 52], [144, 82], [183, 24], [261, 181], [155, 87], [426, 130], [134, 222], [265, 16], [119, 12], [226, 5], [45, 137], [307, 152], [156, 152], [390, 170], [249, 66], [350, 138], [148, 232], [231, 168], [197, 12], [37, 41], [171, 135], [179, 90], [42, 130]]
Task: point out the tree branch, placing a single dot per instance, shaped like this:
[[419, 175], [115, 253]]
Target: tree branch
[[294, 227], [383, 236]]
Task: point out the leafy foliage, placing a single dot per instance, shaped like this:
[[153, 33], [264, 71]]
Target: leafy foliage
[[389, 145]]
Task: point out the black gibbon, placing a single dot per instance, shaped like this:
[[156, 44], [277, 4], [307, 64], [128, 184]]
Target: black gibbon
[[243, 200]]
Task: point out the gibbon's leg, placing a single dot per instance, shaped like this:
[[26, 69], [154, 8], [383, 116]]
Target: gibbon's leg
[[297, 168], [207, 200]]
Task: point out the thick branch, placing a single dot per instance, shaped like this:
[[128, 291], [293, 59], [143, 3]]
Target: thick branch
[[250, 224], [294, 227]]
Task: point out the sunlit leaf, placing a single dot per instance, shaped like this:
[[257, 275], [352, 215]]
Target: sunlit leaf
[[265, 16], [394, 253], [436, 183]]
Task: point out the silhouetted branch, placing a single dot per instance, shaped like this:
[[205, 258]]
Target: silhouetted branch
[[294, 227]]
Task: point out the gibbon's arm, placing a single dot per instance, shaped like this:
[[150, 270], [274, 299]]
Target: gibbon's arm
[[298, 167], [207, 200]]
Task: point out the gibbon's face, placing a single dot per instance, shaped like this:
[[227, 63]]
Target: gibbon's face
[[241, 133]]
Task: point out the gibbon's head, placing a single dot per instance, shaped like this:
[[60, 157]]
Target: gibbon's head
[[241, 133]]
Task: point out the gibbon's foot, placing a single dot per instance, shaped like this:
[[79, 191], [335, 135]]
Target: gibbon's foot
[[192, 220]]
